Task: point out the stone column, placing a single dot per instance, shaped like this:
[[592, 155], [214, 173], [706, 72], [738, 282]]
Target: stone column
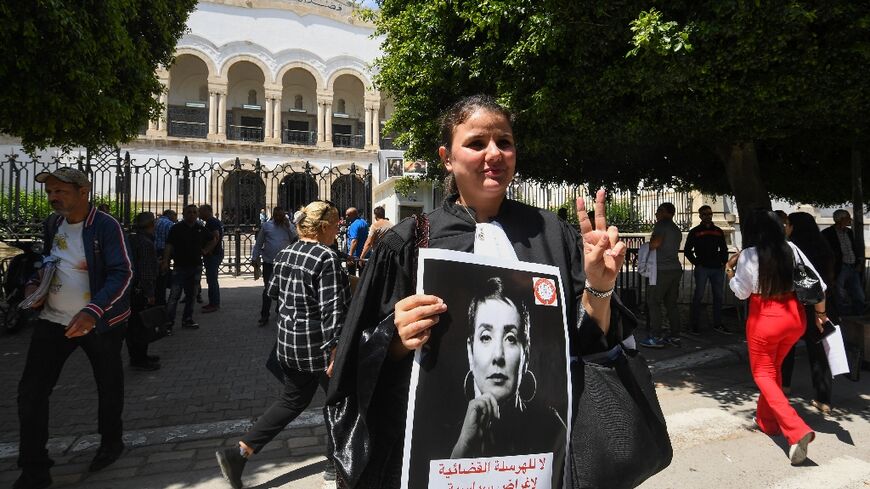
[[222, 116], [376, 129], [368, 132], [321, 114], [163, 121], [373, 136], [267, 126], [152, 125], [324, 118], [276, 123], [327, 122], [212, 114]]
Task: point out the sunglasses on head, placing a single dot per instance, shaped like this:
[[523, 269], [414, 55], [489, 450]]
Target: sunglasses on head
[[329, 206]]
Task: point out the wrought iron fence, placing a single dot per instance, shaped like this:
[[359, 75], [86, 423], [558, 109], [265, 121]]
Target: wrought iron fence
[[236, 189], [631, 211]]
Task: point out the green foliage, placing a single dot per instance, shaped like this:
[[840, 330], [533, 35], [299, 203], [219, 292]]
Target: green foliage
[[570, 211], [650, 32], [33, 207], [407, 185], [29, 207], [789, 77], [83, 73]]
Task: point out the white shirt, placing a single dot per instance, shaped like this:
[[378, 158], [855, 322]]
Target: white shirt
[[70, 289], [490, 240], [745, 281]]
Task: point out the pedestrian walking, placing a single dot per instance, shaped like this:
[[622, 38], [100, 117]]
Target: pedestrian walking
[[707, 251], [212, 256], [276, 234], [389, 320], [184, 247], [665, 240], [804, 233], [357, 233], [142, 290], [313, 294], [86, 306], [776, 320], [376, 232], [849, 289], [161, 232]]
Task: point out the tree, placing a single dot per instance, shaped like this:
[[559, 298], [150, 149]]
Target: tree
[[748, 98], [83, 73]]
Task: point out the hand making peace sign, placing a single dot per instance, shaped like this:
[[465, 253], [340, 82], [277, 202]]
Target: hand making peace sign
[[603, 252]]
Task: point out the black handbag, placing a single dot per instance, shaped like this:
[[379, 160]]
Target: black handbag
[[619, 437], [807, 286], [150, 324]]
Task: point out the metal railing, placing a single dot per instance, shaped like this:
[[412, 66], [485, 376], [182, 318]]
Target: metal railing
[[245, 133], [188, 129], [235, 190], [306, 138], [348, 141]]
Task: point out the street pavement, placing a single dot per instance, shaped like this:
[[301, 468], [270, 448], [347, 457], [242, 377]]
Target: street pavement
[[213, 384], [710, 411]]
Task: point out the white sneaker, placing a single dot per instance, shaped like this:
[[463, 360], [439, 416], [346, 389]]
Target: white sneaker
[[797, 453]]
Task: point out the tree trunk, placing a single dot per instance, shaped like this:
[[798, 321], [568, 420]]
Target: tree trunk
[[744, 177], [858, 208]]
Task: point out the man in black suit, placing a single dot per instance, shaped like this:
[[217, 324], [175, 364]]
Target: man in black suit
[[847, 264]]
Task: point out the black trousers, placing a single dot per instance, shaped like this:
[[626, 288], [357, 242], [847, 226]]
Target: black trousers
[[137, 344], [268, 268], [48, 351], [820, 371], [163, 283], [299, 388]]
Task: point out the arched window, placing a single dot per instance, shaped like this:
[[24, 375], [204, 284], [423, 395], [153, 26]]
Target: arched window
[[341, 107], [297, 102], [252, 97], [203, 93]]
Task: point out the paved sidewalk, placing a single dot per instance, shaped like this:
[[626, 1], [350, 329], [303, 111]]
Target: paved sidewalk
[[212, 385]]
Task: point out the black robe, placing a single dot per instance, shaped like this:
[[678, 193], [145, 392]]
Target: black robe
[[379, 386]]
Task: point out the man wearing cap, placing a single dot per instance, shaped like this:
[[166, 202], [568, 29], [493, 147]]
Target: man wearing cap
[[86, 306]]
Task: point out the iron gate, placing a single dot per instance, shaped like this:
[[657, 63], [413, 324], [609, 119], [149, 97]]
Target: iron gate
[[237, 190]]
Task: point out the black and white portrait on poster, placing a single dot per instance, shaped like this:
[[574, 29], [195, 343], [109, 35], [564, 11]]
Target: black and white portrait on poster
[[489, 401]]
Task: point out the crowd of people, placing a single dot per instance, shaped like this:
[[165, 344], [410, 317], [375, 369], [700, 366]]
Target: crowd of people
[[357, 344]]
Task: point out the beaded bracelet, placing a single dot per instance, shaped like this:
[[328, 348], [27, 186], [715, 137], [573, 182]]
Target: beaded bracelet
[[601, 294]]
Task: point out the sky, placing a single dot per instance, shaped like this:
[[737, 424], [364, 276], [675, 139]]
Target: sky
[[369, 3]]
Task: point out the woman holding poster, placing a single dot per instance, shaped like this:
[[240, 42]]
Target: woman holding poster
[[368, 395]]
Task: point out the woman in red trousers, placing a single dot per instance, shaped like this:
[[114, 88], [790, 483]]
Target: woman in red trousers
[[763, 274]]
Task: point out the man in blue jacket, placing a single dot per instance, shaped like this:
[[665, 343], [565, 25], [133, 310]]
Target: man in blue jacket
[[87, 306]]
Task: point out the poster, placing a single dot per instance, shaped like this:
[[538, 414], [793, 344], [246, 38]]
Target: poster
[[489, 400], [395, 167], [415, 167]]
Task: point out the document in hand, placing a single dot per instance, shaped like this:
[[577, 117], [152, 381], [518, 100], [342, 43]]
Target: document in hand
[[49, 265], [836, 353]]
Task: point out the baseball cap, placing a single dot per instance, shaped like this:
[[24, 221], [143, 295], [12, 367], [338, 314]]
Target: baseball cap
[[65, 174]]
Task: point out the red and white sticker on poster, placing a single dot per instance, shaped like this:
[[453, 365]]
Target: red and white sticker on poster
[[545, 292]]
